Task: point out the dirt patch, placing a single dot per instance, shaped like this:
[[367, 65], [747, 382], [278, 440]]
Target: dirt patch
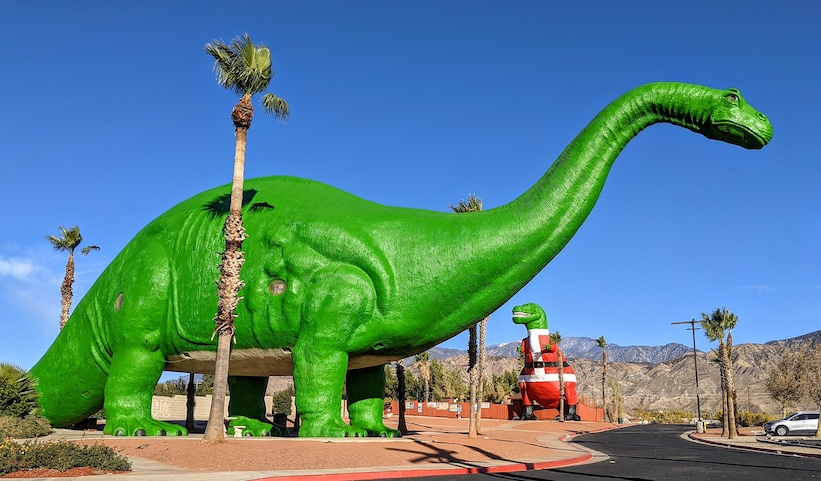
[[51, 473]]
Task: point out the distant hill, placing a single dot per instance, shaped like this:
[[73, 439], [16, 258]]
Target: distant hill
[[586, 348]]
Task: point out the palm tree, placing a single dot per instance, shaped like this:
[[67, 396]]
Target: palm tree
[[245, 69], [603, 345], [473, 204], [68, 240], [481, 368], [555, 340], [715, 325], [422, 361]]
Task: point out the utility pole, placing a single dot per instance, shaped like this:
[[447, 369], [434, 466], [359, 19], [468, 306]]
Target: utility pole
[[693, 328]]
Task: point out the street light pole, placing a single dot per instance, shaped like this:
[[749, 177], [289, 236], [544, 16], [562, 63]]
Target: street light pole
[[693, 328]]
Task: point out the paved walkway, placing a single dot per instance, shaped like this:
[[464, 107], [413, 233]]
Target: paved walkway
[[436, 446]]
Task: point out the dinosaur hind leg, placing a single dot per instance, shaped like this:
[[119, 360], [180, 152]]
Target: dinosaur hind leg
[[366, 395], [247, 406], [135, 369]]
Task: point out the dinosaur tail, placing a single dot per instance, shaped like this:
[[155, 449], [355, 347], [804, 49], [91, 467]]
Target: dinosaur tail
[[71, 376]]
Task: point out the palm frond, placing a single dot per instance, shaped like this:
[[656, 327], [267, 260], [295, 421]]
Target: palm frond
[[88, 249], [68, 240], [473, 204], [276, 106], [241, 66]]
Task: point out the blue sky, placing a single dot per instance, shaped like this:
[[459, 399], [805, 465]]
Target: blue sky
[[111, 115]]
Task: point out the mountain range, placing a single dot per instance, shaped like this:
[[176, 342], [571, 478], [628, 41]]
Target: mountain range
[[654, 377], [585, 348]]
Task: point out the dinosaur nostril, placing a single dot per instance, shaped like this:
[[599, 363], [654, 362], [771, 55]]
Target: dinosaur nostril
[[762, 116]]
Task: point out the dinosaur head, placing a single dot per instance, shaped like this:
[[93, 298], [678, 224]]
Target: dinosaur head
[[531, 315], [732, 120]]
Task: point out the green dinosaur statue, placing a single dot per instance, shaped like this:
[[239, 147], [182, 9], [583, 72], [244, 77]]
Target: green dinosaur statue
[[336, 286]]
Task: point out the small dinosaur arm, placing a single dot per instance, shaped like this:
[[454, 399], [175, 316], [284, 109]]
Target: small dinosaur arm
[[336, 286]]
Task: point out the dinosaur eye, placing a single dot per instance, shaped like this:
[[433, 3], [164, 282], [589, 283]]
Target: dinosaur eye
[[732, 98], [277, 287]]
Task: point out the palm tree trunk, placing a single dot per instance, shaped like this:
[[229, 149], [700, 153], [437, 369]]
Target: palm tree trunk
[[603, 381], [481, 368], [560, 362], [472, 379], [725, 417], [190, 403], [66, 291], [731, 412], [400, 380], [230, 282]]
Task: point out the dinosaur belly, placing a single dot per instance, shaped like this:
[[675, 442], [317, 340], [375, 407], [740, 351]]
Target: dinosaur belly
[[256, 362]]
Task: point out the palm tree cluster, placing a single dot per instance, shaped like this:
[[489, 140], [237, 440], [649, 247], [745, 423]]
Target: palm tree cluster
[[715, 326], [445, 384]]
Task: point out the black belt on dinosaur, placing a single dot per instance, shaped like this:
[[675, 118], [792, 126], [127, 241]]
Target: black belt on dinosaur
[[542, 365]]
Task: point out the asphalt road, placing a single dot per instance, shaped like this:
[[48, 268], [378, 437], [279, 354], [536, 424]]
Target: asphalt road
[[658, 453]]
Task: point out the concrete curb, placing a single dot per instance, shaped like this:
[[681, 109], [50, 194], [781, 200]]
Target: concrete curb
[[745, 447]]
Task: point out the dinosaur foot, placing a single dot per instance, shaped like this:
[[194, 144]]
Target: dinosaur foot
[[123, 426], [379, 430], [255, 427], [330, 429]]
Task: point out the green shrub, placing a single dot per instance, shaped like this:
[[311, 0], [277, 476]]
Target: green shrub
[[282, 401], [664, 417], [32, 426], [747, 418], [18, 396], [60, 455]]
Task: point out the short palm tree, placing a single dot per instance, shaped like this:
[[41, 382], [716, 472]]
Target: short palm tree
[[715, 325], [18, 396], [601, 343], [68, 240], [245, 69], [555, 340], [473, 204]]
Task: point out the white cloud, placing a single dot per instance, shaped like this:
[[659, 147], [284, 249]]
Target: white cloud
[[17, 268], [759, 288]]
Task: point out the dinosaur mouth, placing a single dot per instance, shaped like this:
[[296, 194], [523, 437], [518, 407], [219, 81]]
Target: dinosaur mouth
[[521, 314], [743, 135]]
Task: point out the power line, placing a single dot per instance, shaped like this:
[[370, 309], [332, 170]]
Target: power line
[[693, 328]]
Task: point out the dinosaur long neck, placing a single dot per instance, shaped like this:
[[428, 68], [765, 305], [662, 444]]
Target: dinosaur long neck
[[555, 207], [520, 238]]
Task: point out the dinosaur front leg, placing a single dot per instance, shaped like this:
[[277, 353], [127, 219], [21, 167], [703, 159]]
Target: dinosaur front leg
[[135, 370], [337, 301], [366, 395], [318, 378]]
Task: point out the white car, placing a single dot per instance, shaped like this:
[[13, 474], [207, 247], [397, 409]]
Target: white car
[[802, 422]]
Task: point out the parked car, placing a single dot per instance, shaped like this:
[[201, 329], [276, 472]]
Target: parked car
[[802, 422]]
